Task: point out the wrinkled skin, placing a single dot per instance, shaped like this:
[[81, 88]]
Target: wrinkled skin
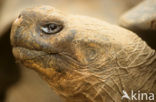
[[89, 60]]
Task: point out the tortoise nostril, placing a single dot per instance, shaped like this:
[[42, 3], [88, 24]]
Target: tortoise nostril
[[19, 16]]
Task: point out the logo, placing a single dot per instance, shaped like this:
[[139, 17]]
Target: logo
[[138, 96]]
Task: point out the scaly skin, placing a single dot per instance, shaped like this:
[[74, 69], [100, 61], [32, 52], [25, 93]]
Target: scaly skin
[[89, 60]]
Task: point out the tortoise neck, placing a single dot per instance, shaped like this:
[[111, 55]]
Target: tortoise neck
[[146, 74]]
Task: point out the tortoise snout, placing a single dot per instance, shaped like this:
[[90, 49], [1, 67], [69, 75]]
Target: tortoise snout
[[27, 31], [22, 32], [15, 30]]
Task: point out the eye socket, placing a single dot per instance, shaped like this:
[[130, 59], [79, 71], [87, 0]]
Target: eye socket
[[51, 28]]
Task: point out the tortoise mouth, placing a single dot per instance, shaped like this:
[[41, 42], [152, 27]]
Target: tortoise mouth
[[40, 60], [22, 53], [29, 58]]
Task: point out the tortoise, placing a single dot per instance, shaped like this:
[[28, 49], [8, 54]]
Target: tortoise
[[141, 17], [142, 20], [83, 59], [8, 67]]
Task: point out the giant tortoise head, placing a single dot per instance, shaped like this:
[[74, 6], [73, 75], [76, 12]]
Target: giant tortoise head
[[83, 59], [147, 34]]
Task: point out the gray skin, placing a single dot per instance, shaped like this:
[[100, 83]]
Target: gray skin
[[142, 20], [86, 59], [141, 17]]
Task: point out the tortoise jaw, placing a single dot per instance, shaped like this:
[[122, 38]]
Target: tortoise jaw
[[39, 60]]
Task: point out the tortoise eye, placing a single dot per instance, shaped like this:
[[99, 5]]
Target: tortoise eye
[[51, 28]]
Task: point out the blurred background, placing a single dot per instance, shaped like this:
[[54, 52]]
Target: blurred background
[[19, 84]]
